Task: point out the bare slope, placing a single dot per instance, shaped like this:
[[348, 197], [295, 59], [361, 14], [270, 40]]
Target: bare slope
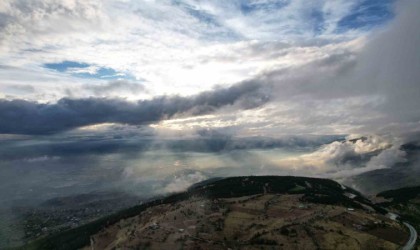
[[260, 221], [243, 212]]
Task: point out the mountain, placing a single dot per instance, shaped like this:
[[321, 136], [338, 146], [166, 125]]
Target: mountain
[[255, 212], [394, 177], [405, 201]]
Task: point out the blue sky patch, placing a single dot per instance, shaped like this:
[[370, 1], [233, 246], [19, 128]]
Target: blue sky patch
[[251, 6], [317, 18], [63, 66], [84, 70], [217, 31], [367, 14]]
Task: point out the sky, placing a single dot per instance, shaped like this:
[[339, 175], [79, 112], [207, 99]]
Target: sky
[[156, 95]]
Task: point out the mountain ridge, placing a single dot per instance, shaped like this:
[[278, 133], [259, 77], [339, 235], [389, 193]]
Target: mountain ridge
[[301, 191]]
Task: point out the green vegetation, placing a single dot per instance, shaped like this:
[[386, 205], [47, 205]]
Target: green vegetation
[[402, 195], [297, 189], [241, 186], [315, 190]]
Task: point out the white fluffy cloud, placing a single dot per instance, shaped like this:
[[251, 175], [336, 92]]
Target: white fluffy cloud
[[182, 182], [343, 159]]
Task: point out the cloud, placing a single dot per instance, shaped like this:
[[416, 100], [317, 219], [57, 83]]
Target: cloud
[[369, 86], [365, 86], [182, 181], [116, 88], [300, 69], [171, 44], [24, 117], [348, 158], [42, 158], [132, 141], [344, 154], [394, 168], [389, 64], [386, 159], [366, 13], [294, 19], [20, 89]]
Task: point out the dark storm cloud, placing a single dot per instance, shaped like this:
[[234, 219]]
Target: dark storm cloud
[[24, 117]]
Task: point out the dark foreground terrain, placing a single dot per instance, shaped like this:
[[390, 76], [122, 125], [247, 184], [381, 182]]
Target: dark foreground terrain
[[263, 212]]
